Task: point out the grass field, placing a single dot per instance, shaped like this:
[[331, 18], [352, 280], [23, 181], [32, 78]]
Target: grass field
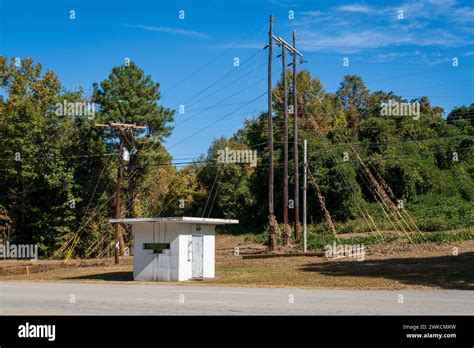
[[395, 265]]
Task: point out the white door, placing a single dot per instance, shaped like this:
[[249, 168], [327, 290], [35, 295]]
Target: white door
[[197, 256]]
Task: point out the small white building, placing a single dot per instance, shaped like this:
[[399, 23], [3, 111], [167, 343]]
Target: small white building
[[174, 248]]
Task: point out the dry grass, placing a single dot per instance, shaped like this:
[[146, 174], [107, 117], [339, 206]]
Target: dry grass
[[389, 266]]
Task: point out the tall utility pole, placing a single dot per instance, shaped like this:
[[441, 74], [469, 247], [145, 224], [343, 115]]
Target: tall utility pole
[[271, 210], [305, 187], [118, 193], [294, 52], [295, 145], [121, 128], [285, 146]]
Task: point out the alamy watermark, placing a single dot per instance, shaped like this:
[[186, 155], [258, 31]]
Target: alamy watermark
[[345, 250], [75, 109], [400, 109], [37, 331], [18, 251], [237, 156]]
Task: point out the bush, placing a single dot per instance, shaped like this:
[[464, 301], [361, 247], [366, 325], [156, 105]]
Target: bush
[[436, 213], [440, 237], [433, 224]]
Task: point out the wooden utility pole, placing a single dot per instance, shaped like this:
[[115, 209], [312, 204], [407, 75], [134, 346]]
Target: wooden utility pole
[[121, 128], [295, 145], [294, 52], [305, 187], [271, 210], [272, 223], [286, 229], [118, 193]]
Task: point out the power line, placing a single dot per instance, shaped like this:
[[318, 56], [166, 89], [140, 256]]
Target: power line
[[54, 157], [225, 99], [424, 72], [230, 72], [210, 62], [229, 84], [218, 120], [439, 85]]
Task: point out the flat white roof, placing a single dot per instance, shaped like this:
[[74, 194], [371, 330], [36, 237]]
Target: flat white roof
[[180, 220]]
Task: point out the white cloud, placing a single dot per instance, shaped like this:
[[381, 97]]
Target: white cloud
[[426, 23], [357, 8], [313, 13], [463, 15], [177, 31], [442, 2], [350, 39]]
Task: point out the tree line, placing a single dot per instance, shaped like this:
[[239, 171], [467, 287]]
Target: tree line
[[58, 170]]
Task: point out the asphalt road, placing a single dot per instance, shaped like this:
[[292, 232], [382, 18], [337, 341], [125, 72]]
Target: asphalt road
[[48, 298]]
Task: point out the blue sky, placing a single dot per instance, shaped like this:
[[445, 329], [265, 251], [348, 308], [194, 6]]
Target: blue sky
[[192, 58]]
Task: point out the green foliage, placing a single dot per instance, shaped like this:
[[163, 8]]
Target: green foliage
[[438, 237], [56, 169], [435, 212], [461, 117], [231, 181], [427, 162], [130, 96], [37, 182]]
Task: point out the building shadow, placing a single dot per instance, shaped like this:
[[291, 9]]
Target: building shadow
[[448, 272], [109, 276]]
